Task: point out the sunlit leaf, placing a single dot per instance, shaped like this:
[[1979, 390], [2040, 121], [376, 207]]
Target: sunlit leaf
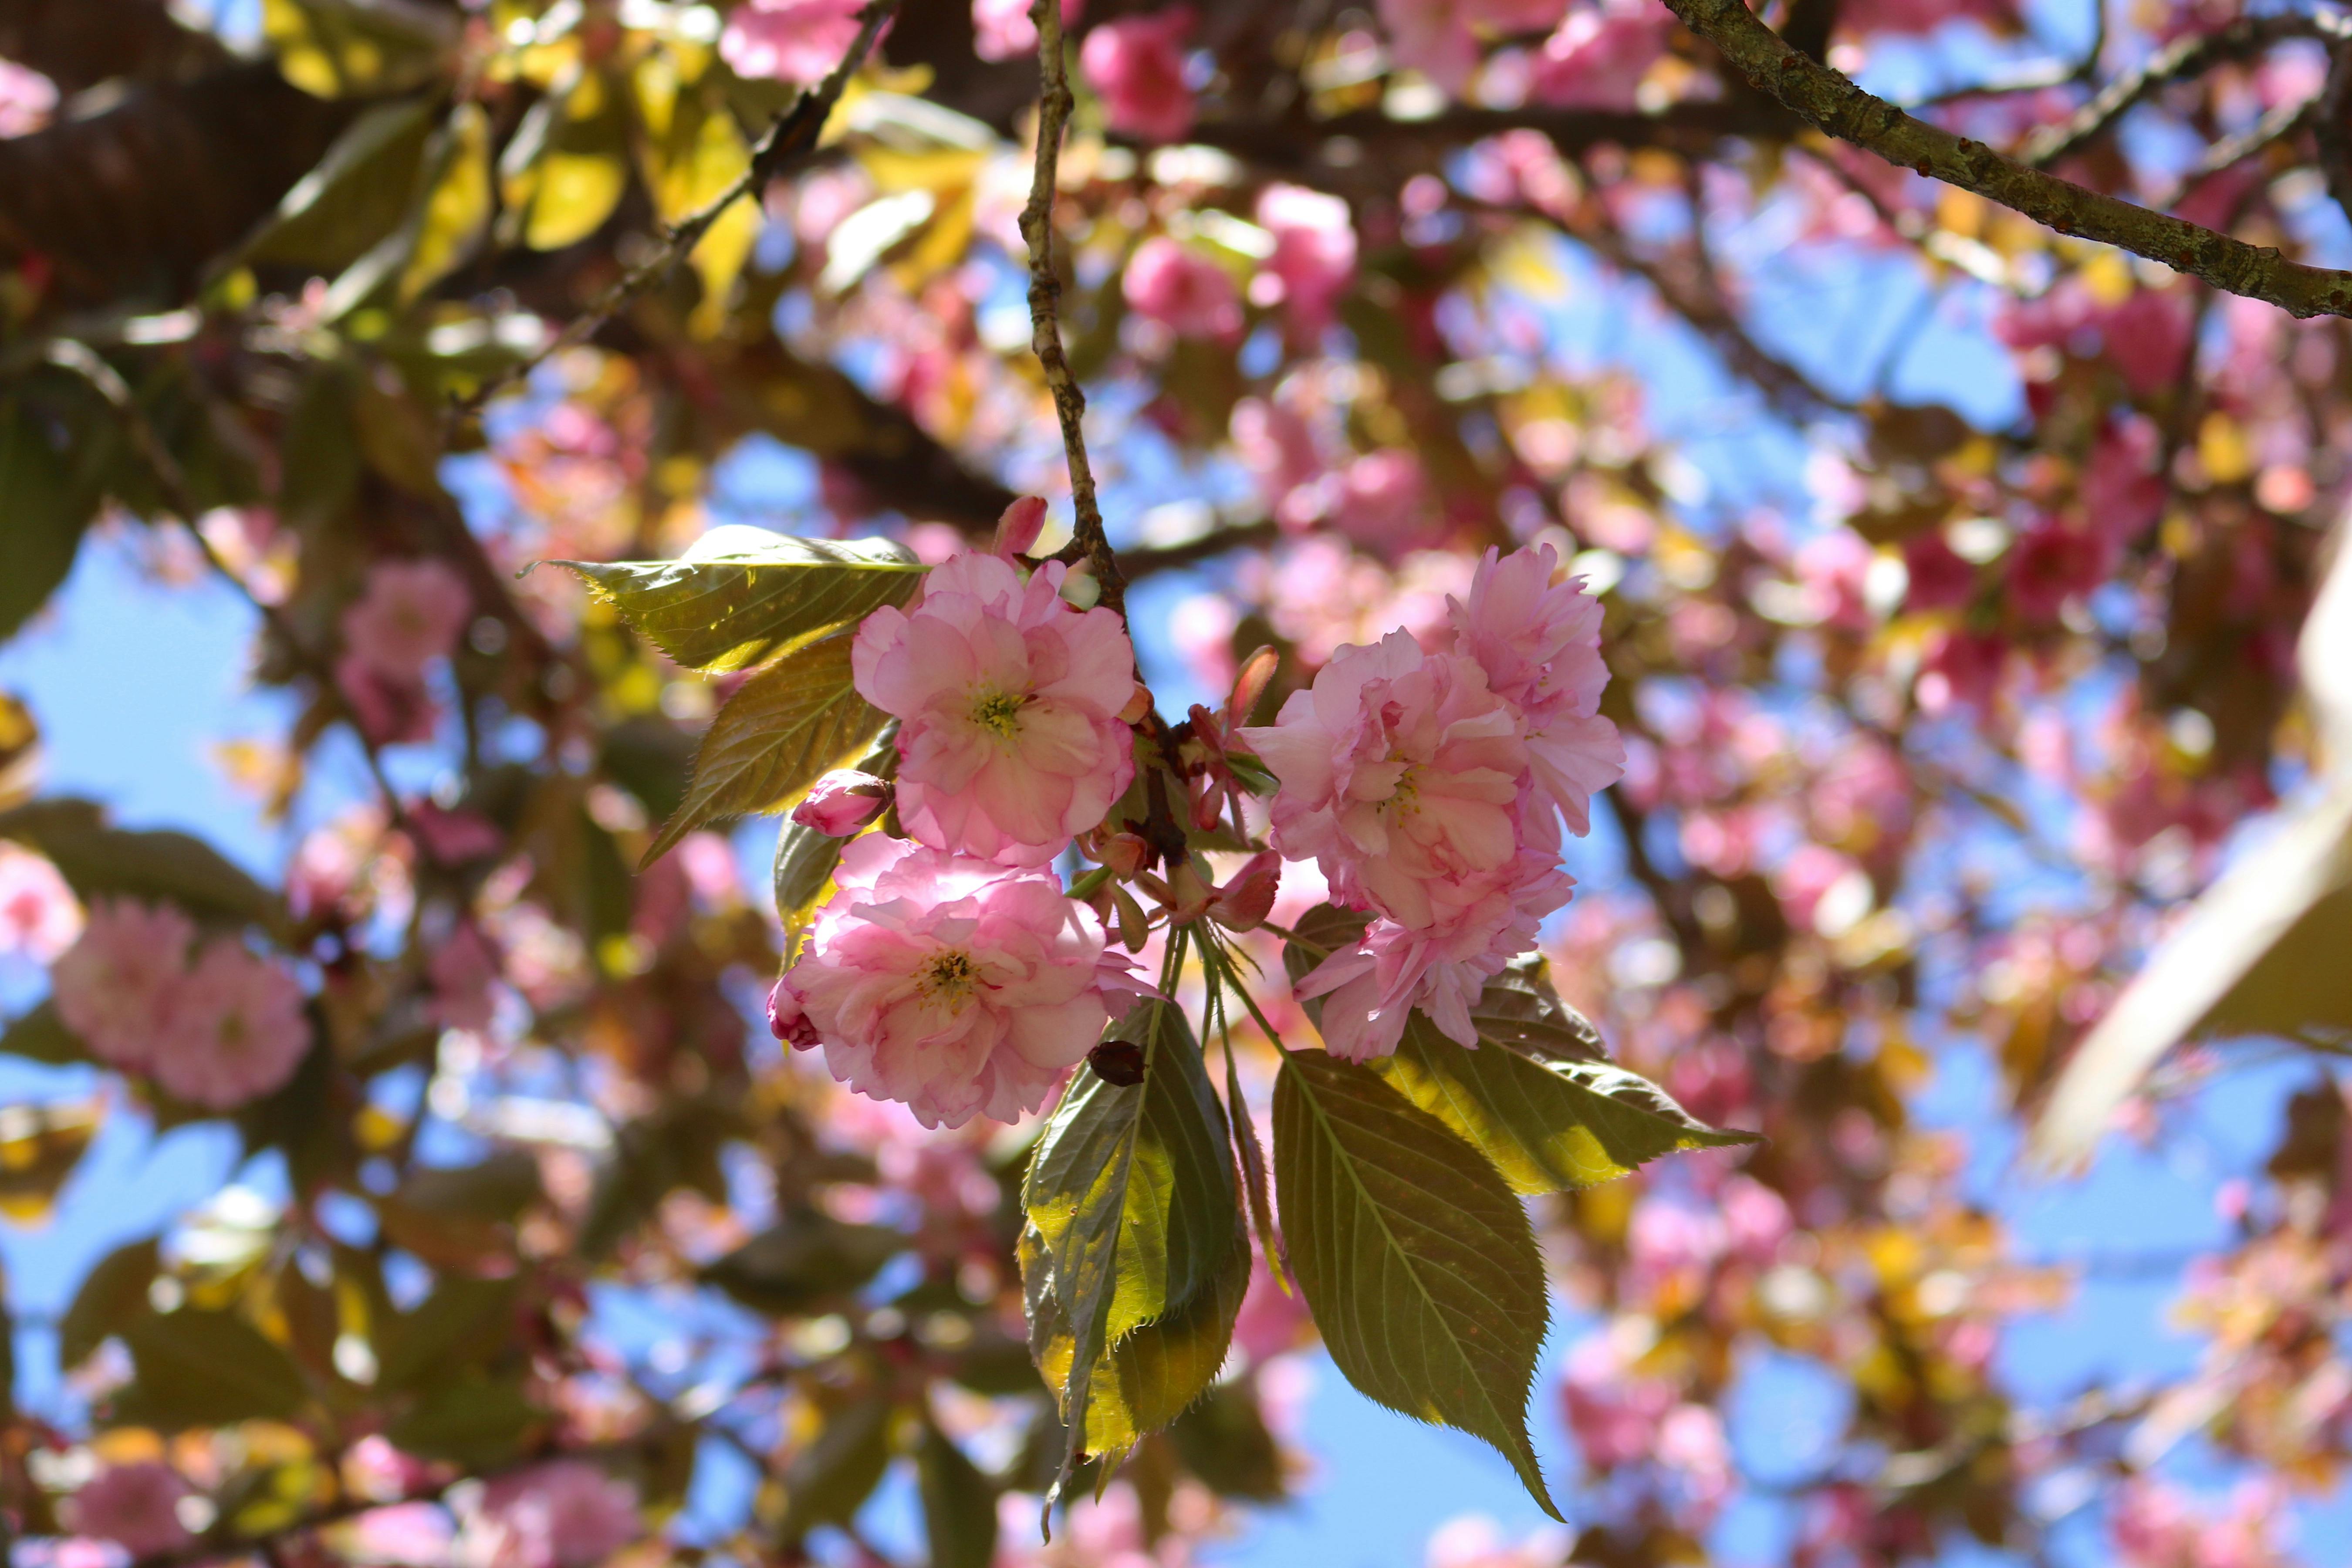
[[457, 211], [337, 48], [782, 731], [1130, 1195], [40, 1147], [1415, 1255], [566, 166], [356, 195], [740, 595]]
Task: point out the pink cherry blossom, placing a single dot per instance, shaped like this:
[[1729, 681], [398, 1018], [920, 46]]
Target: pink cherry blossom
[[462, 969], [390, 710], [136, 1506], [1181, 290], [1400, 774], [2053, 563], [40, 916], [1008, 700], [1001, 29], [1277, 445], [789, 40], [237, 1029], [960, 987], [566, 1513], [117, 986], [1314, 259], [1939, 578], [405, 1535], [1440, 39], [1600, 55], [1384, 502], [1370, 990], [27, 98], [411, 614], [2123, 493], [1538, 640], [842, 802], [1136, 64]]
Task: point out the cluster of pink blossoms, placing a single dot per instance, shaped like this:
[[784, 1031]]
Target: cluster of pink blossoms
[[218, 1032], [1430, 785], [953, 972], [410, 613]]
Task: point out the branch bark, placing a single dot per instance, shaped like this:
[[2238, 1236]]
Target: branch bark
[[1834, 105], [1053, 105]]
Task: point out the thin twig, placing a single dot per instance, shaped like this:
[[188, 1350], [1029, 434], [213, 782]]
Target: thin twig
[[2279, 122], [2176, 61], [1054, 104], [1833, 104], [794, 131], [173, 480]]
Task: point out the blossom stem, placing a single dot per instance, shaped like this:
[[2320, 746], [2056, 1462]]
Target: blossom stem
[[1054, 104]]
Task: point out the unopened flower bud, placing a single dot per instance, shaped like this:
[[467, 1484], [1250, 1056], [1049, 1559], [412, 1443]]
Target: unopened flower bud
[[1080, 588], [1247, 898], [1017, 530], [1125, 853], [842, 802], [787, 1021]]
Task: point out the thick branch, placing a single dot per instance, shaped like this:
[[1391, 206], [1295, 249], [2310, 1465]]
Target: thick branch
[[1054, 104], [1835, 105]]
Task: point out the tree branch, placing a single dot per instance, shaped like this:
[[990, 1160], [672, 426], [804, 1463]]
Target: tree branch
[[794, 132], [2181, 58], [1836, 106], [1054, 104]]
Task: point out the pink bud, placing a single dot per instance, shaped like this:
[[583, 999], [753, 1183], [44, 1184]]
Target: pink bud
[[842, 802], [1247, 897], [786, 1020], [1017, 530]]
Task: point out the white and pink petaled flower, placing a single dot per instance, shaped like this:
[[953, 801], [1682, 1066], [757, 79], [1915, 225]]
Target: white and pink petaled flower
[[1008, 699], [40, 916], [959, 986], [789, 41], [218, 1033], [136, 1506], [566, 1513], [1430, 786]]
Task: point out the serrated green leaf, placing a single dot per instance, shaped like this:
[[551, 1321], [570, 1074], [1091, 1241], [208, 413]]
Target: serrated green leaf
[[785, 728], [1130, 1200], [740, 596], [1548, 1126], [1416, 1259], [806, 858], [112, 1293], [958, 1503], [97, 860], [198, 1368]]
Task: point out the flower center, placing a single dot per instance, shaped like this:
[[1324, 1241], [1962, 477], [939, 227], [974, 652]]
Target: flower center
[[998, 713], [951, 977]]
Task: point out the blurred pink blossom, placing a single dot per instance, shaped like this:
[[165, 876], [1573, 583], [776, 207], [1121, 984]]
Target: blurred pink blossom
[[1181, 290], [40, 916], [789, 41], [1136, 64], [1314, 259], [566, 1513], [238, 1030], [1001, 29], [1600, 53], [119, 986], [136, 1506], [410, 615]]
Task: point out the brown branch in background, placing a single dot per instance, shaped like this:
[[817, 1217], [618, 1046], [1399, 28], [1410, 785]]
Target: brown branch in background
[[1054, 104], [82, 361], [794, 132], [2181, 58], [1835, 105], [2279, 122], [1224, 540]]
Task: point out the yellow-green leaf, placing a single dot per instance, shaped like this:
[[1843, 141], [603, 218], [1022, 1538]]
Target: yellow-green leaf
[[357, 195], [339, 49], [1415, 1257], [742, 595], [456, 213]]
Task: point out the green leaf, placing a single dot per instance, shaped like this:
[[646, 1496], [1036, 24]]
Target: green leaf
[[339, 49], [806, 1258], [1546, 1126], [112, 1294], [97, 860], [40, 1036], [464, 1323], [1132, 1209], [40, 1147], [785, 728], [475, 1421], [740, 596], [355, 195], [1415, 1256], [42, 518], [829, 1481], [1224, 1441], [199, 1368], [958, 1503]]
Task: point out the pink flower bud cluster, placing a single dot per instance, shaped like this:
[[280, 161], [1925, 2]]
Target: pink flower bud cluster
[[410, 615], [953, 972], [1429, 786], [222, 1031]]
